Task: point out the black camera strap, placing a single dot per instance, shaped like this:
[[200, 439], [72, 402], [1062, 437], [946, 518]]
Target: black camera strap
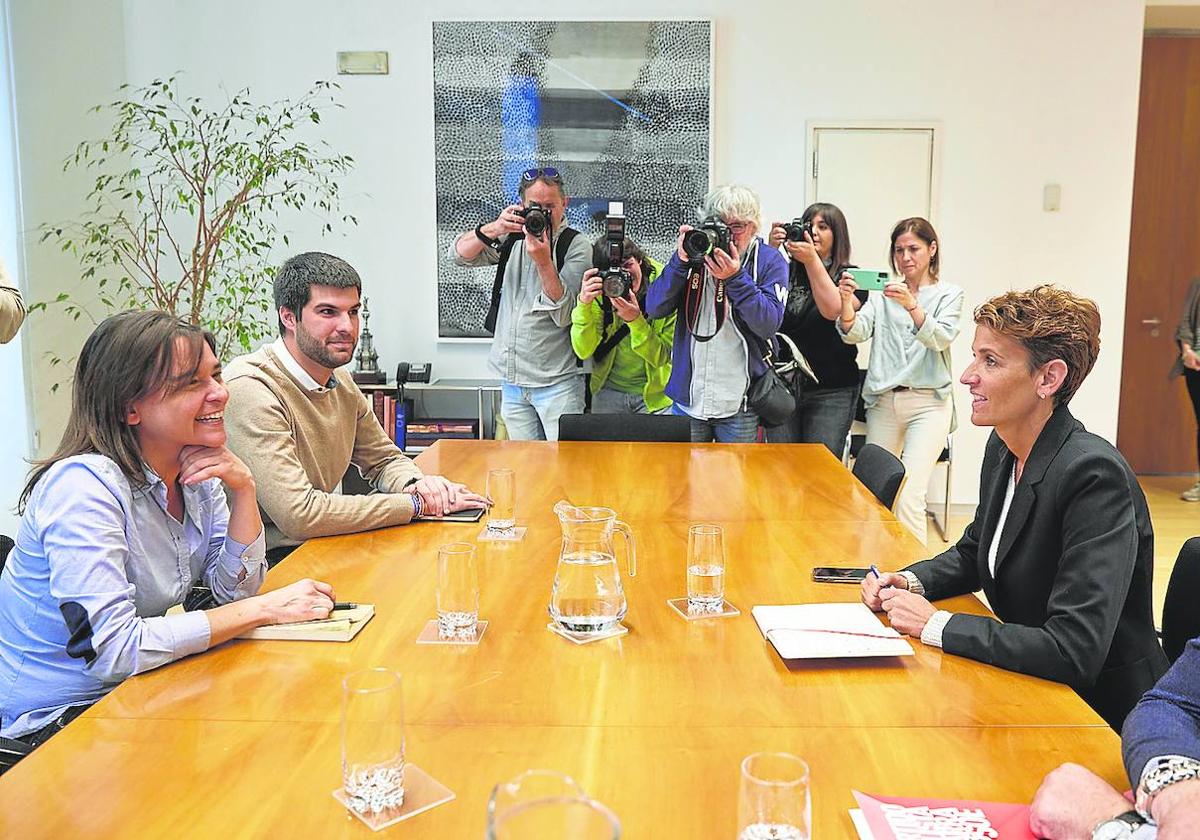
[[560, 257], [695, 296]]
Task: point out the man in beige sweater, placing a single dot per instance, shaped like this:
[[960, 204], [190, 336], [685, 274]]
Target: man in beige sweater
[[298, 420]]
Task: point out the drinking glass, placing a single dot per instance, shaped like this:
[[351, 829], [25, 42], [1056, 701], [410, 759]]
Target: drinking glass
[[705, 569], [373, 743], [457, 591], [502, 490], [774, 803], [541, 804]]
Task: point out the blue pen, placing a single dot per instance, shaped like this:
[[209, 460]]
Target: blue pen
[[875, 571]]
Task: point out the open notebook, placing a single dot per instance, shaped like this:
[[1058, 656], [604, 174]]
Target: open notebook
[[828, 631]]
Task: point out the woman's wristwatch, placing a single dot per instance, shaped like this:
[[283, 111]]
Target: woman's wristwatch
[[1161, 772]]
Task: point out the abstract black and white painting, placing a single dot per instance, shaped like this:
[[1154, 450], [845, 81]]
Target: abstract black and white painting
[[620, 108]]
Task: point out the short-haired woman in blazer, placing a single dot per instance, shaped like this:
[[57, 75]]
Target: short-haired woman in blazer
[[1061, 543]]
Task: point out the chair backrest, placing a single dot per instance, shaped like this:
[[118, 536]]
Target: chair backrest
[[655, 428], [881, 472], [6, 545], [1180, 618]]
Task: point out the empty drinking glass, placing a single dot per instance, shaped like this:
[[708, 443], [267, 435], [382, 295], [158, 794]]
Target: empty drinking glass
[[373, 743], [457, 591], [542, 804], [705, 569], [773, 803], [502, 490]]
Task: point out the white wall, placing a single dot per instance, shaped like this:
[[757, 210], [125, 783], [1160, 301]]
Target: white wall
[[1028, 92]]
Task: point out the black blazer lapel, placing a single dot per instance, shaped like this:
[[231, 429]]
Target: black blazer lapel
[[1054, 434]]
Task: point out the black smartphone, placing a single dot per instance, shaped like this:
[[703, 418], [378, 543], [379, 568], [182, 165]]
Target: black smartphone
[[839, 574]]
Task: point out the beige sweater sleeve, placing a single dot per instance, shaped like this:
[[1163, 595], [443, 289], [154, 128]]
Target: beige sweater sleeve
[[260, 434], [12, 307], [377, 458]]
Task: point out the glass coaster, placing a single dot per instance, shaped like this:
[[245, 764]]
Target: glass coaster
[[421, 792], [584, 638], [517, 535], [680, 605], [429, 635]]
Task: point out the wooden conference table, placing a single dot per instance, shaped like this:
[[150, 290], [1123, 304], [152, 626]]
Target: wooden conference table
[[244, 740]]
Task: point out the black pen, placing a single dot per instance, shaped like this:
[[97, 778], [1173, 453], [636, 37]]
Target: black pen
[[344, 605]]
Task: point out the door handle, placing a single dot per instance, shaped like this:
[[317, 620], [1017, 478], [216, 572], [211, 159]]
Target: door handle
[[1152, 322]]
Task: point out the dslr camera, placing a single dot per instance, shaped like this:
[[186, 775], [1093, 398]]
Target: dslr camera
[[796, 228], [617, 281], [537, 219], [701, 241]]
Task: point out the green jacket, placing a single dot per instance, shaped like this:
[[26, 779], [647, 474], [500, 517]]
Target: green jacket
[[649, 339]]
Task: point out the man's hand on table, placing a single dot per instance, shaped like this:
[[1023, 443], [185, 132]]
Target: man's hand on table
[[1072, 801]]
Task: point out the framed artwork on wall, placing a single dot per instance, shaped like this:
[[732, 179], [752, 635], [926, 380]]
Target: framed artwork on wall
[[622, 109]]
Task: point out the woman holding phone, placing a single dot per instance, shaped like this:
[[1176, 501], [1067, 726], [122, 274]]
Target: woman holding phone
[[122, 520], [912, 323], [825, 408]]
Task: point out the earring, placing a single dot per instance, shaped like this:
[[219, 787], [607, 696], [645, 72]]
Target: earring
[[1041, 396]]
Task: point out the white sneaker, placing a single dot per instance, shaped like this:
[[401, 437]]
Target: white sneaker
[[1192, 494]]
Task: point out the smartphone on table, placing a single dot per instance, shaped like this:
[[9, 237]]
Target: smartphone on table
[[838, 574]]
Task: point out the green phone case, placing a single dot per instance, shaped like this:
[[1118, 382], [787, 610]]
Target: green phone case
[[868, 279]]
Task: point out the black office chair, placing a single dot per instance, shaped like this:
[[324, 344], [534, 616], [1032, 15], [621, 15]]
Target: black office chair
[[6, 545], [652, 428], [1180, 618], [881, 472]]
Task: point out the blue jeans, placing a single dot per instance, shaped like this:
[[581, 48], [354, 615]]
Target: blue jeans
[[612, 401], [738, 428], [822, 416], [532, 413]]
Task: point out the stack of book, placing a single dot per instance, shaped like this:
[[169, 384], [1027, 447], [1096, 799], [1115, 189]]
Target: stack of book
[[395, 416]]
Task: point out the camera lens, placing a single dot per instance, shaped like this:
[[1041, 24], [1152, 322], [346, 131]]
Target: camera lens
[[536, 222], [697, 242]]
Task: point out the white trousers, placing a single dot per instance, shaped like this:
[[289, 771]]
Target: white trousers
[[913, 426]]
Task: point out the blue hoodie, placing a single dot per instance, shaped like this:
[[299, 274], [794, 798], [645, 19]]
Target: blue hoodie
[[757, 309]]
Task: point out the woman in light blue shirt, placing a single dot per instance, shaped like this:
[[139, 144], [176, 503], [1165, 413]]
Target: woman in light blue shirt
[[910, 409], [122, 520]]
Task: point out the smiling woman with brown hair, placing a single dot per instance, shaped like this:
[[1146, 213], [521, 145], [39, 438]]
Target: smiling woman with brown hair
[[120, 522], [1061, 543]]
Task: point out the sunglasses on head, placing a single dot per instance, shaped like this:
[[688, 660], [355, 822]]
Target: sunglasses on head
[[548, 172]]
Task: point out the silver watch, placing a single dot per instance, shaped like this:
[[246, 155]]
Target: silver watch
[[1163, 771], [1120, 827]]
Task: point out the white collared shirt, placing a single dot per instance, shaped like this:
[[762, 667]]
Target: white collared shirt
[[293, 367]]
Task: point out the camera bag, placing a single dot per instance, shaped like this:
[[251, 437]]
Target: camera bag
[[771, 396], [560, 256]]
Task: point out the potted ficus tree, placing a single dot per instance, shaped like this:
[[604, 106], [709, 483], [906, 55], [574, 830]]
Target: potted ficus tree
[[186, 200]]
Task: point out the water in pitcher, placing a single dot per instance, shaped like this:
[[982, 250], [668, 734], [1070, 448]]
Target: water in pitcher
[[587, 593]]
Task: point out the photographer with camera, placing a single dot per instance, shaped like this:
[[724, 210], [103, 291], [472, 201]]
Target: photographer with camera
[[818, 249], [631, 356], [728, 290], [539, 268]]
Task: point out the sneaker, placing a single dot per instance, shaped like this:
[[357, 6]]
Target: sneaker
[[1192, 494]]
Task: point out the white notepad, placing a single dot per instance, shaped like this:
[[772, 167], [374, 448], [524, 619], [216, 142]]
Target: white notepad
[[828, 631]]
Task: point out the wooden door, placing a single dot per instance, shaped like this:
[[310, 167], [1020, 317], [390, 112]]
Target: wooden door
[[1156, 430]]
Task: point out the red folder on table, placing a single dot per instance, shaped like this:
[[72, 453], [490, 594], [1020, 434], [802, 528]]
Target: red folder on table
[[906, 818]]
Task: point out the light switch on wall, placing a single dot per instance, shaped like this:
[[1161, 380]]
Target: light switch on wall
[[1052, 198]]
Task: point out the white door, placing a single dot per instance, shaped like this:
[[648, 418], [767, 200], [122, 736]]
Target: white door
[[877, 175]]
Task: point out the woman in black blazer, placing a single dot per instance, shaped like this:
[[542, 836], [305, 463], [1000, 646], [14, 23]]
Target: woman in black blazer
[[1061, 543]]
